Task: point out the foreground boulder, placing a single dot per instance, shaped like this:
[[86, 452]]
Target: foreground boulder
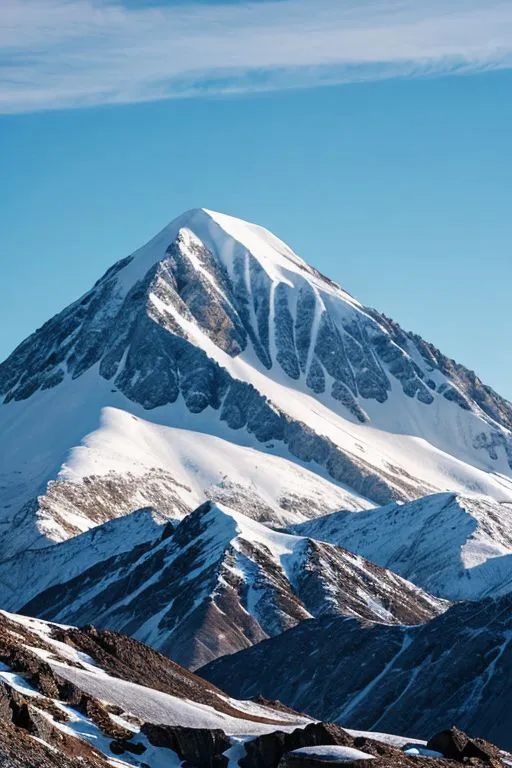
[[202, 747], [267, 750], [456, 745]]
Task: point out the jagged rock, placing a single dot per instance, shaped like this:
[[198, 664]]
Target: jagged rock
[[198, 747], [120, 746], [457, 745], [24, 715], [57, 681], [266, 751], [456, 547], [212, 317], [224, 558], [19, 750], [465, 651]]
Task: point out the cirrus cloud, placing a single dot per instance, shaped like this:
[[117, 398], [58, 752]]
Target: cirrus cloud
[[76, 53]]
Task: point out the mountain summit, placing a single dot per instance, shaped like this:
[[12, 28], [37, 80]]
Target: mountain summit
[[215, 346]]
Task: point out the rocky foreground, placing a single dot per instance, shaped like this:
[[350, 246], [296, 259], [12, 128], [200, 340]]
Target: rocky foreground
[[82, 697]]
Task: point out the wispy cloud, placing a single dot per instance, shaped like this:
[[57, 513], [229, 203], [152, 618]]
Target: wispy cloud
[[73, 53]]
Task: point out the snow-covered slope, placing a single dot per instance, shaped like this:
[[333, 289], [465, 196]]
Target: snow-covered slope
[[220, 582], [216, 327], [32, 571], [457, 547], [87, 695], [130, 463], [453, 669]]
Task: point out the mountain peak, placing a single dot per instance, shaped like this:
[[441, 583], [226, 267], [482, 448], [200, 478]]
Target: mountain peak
[[215, 326], [247, 580], [224, 235]]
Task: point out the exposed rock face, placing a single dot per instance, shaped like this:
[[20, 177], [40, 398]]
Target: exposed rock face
[[279, 750], [196, 746], [49, 716], [456, 547], [18, 749], [232, 306], [216, 325], [105, 497], [388, 678], [221, 582], [268, 750], [456, 745], [214, 367]]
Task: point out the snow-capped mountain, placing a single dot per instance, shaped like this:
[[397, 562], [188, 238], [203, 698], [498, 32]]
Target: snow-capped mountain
[[219, 583], [456, 547], [131, 463], [216, 340], [453, 669]]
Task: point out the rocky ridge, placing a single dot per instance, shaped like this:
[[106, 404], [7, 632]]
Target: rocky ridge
[[456, 547], [416, 680], [71, 697], [216, 583]]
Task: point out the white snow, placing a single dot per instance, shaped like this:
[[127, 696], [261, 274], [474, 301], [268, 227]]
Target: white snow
[[161, 708], [157, 707], [422, 752], [104, 432], [457, 547], [386, 738], [33, 571], [335, 754], [198, 460], [16, 681], [145, 703]]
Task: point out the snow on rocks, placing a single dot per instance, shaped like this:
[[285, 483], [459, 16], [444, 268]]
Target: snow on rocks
[[331, 754], [220, 582], [456, 547]]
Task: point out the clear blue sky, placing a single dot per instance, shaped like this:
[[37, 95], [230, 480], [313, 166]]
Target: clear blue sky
[[399, 189]]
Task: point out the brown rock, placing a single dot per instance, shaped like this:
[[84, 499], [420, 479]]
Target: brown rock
[[197, 747], [119, 747], [266, 751], [456, 745]]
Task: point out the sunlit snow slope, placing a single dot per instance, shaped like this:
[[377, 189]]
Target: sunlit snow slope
[[214, 362], [457, 547]]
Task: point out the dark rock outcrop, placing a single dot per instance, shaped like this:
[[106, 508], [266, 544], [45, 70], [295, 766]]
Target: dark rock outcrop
[[456, 745], [198, 747], [266, 751], [221, 558], [18, 749]]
